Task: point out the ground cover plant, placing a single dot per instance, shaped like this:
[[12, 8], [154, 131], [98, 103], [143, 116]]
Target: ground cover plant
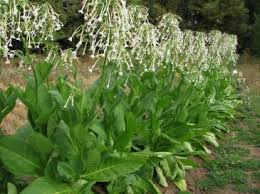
[[163, 95], [236, 163]]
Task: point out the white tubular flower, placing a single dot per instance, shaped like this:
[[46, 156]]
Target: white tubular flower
[[188, 47], [196, 55], [235, 72], [21, 20], [106, 30], [222, 51], [171, 38], [123, 37], [201, 50], [230, 52], [215, 47], [138, 15], [146, 48], [64, 59]]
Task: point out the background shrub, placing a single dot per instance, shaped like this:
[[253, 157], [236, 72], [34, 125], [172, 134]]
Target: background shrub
[[231, 16], [69, 15]]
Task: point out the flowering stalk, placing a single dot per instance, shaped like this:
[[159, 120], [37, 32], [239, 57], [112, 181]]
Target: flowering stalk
[[124, 36], [23, 21]]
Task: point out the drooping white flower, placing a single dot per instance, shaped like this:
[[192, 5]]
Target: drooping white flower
[[124, 37], [235, 72], [32, 23]]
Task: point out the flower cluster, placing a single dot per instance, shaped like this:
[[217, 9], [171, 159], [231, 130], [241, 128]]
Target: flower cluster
[[105, 31], [124, 36], [222, 47], [23, 21], [171, 39], [66, 59]]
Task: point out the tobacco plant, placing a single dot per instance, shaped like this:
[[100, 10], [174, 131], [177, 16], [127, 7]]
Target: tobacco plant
[[163, 95], [31, 24]]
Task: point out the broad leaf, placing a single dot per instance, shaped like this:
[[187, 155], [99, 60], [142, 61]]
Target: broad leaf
[[148, 185], [114, 167], [161, 177], [181, 184], [11, 188], [45, 104], [19, 157], [119, 118], [42, 145], [126, 137], [42, 71], [7, 102], [46, 185], [136, 184]]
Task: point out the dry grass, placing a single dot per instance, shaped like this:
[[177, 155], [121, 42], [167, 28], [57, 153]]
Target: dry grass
[[250, 67]]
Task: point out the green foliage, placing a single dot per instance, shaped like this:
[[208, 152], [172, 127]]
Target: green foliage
[[19, 157], [46, 185], [219, 180], [122, 132], [256, 37], [7, 102], [227, 168], [11, 188], [256, 175], [69, 15], [81, 137], [227, 15], [251, 112], [233, 165], [232, 16]]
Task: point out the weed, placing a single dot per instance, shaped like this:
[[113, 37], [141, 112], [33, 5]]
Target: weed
[[230, 166], [256, 175], [254, 191]]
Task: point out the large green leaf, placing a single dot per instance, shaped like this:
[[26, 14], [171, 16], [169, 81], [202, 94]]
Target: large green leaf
[[11, 188], [28, 95], [42, 71], [181, 184], [119, 118], [19, 157], [161, 177], [63, 139], [39, 102], [148, 185], [42, 145], [114, 167], [133, 183], [127, 136], [92, 158], [66, 171], [45, 104], [46, 185], [98, 128], [7, 102]]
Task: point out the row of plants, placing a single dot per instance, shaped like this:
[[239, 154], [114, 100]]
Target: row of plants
[[163, 95]]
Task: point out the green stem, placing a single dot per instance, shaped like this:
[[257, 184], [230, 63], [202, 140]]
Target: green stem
[[30, 63]]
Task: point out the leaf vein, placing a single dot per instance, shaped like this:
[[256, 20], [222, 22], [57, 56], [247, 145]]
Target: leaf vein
[[20, 156]]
